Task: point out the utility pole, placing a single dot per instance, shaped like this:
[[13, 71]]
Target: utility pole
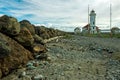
[[110, 18], [88, 20]]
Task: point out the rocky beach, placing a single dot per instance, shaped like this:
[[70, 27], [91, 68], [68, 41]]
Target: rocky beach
[[74, 58], [59, 40]]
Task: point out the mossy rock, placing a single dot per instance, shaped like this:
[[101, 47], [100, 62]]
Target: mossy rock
[[25, 38], [28, 25], [9, 25]]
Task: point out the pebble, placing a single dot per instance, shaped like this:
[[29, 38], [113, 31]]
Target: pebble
[[26, 78], [31, 67], [49, 58], [29, 64], [99, 49], [79, 68], [23, 73], [35, 64], [62, 74], [38, 77], [110, 52]]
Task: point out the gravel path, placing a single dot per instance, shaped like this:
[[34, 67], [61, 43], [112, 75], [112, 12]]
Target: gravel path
[[80, 58]]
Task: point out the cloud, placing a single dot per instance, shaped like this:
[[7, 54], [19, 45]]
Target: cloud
[[61, 12]]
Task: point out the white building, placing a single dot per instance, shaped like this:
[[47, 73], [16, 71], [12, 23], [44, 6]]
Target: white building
[[115, 30], [77, 30]]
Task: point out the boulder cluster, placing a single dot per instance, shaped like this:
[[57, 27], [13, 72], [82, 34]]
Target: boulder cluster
[[47, 33], [21, 42]]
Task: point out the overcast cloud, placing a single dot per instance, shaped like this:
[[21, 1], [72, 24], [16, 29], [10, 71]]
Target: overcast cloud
[[62, 13]]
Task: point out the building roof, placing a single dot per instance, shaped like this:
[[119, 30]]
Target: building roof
[[87, 27], [93, 11]]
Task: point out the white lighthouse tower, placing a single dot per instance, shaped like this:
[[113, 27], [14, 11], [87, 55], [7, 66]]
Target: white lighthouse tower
[[93, 29]]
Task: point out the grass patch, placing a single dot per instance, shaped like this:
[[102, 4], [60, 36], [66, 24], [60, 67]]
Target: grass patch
[[68, 36], [103, 35]]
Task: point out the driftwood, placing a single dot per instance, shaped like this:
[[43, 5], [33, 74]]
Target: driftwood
[[51, 39]]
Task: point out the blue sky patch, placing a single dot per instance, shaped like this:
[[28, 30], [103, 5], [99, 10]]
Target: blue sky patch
[[61, 12]]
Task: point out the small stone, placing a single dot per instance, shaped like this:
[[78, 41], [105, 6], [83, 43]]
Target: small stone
[[20, 72], [31, 67], [99, 50], [104, 49], [51, 73], [92, 48], [110, 52], [29, 64], [49, 58], [36, 64], [79, 73], [26, 78], [58, 55], [23, 73], [79, 68], [57, 40], [62, 74], [38, 77], [48, 49], [42, 56]]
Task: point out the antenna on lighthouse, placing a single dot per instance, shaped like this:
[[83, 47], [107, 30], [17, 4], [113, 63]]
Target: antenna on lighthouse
[[88, 13], [110, 15]]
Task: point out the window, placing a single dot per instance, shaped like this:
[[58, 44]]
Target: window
[[93, 22]]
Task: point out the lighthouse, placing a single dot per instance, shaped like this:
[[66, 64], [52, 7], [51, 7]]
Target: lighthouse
[[93, 29]]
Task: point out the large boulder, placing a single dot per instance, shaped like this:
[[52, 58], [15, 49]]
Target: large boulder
[[0, 73], [42, 32], [47, 33], [28, 25], [25, 38], [13, 55], [4, 48], [38, 48], [9, 25]]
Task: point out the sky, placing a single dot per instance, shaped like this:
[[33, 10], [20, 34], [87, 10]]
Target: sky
[[62, 14]]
